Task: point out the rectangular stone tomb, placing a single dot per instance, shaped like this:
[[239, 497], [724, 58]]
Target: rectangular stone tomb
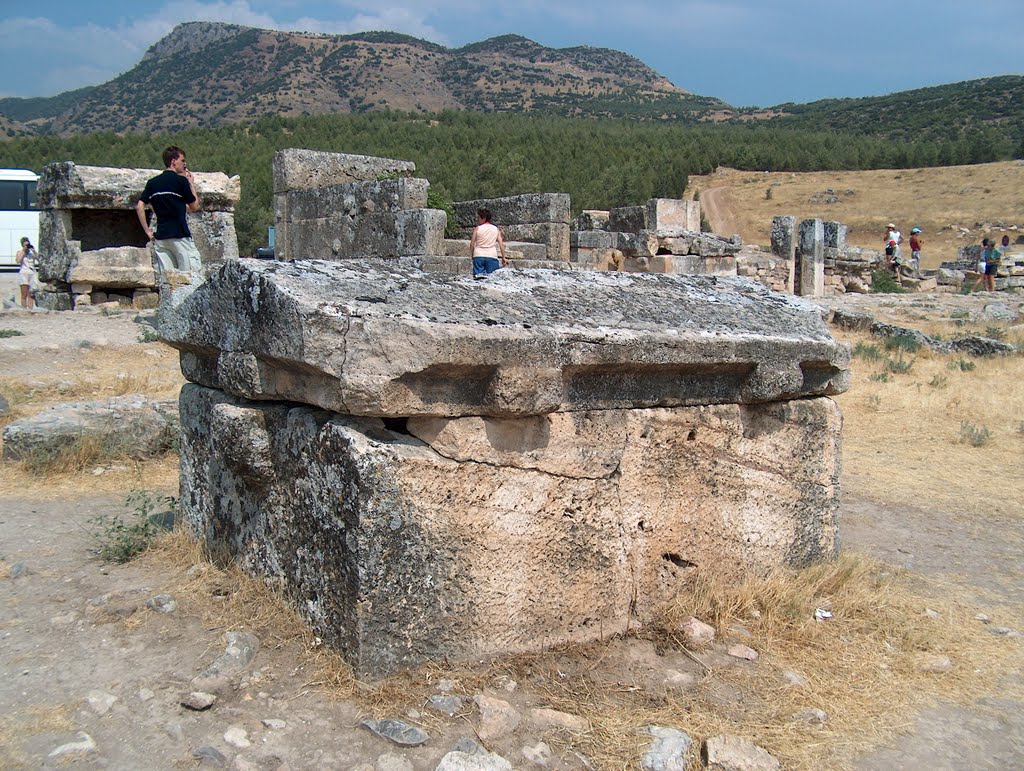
[[438, 468], [406, 541], [363, 338]]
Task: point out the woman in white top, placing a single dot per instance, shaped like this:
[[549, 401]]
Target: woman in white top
[[485, 245], [26, 271]]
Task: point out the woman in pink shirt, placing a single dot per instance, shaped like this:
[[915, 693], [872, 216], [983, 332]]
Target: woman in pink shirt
[[485, 245]]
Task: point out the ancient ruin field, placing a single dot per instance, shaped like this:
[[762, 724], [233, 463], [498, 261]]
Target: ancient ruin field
[[932, 530], [943, 202]]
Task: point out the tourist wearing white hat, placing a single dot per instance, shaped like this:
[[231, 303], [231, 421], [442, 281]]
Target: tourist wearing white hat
[[893, 239]]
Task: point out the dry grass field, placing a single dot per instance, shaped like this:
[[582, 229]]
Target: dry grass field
[[932, 199]]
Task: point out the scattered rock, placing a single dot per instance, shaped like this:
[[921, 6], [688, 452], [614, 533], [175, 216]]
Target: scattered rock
[[241, 649], [668, 750], [679, 681], [162, 603], [934, 663], [932, 613], [397, 731], [175, 731], [480, 761], [975, 345], [732, 753], [145, 694], [100, 702], [696, 633], [449, 705], [211, 756], [199, 701], [848, 319], [18, 570], [743, 652], [810, 715], [740, 631], [274, 724], [497, 718], [237, 737], [539, 754], [983, 618], [1004, 631], [83, 744], [469, 745], [552, 718]]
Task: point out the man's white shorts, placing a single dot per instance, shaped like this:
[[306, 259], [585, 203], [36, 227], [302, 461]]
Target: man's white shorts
[[178, 254]]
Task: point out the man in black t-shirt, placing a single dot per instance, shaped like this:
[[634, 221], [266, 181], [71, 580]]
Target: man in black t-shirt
[[171, 194]]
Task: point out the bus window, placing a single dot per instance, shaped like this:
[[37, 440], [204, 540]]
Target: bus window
[[31, 194], [12, 196]]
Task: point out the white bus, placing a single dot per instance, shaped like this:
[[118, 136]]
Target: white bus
[[18, 214]]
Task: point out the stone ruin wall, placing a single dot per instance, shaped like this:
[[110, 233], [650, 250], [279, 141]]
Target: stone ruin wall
[[92, 250], [433, 467]]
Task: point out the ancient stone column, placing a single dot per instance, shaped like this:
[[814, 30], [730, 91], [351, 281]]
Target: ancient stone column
[[812, 258], [783, 239]]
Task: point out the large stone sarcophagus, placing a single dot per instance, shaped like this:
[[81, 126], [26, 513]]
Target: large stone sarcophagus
[[434, 467]]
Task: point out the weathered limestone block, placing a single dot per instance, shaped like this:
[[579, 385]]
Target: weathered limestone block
[[675, 244], [117, 267], [214, 235], [356, 199], [641, 244], [525, 209], [783, 236], [812, 258], [835, 235], [366, 338], [131, 426], [60, 252], [593, 239], [66, 185], [554, 236], [53, 301], [668, 213], [695, 265], [710, 245], [361, 219], [298, 169], [590, 219], [457, 538], [628, 219]]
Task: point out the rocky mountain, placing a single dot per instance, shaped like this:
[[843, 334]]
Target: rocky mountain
[[207, 74]]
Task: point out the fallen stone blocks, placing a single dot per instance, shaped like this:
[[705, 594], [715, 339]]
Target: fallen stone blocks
[[120, 427], [435, 467]]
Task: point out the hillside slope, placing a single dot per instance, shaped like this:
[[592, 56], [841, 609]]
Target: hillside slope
[[207, 74]]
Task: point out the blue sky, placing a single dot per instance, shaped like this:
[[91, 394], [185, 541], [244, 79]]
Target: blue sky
[[748, 52]]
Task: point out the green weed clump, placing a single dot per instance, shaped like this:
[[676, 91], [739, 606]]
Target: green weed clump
[[976, 436], [962, 364], [899, 365], [902, 343], [867, 351], [11, 333], [884, 282], [124, 535], [880, 377], [148, 335]]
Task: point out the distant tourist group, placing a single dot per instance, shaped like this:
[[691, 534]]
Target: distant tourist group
[[988, 260]]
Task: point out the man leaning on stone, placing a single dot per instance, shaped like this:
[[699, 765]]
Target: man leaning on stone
[[171, 194]]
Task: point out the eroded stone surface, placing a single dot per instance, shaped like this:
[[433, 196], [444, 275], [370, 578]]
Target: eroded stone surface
[[401, 549], [363, 339]]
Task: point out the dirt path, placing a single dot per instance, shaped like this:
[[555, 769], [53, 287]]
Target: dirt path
[[712, 206]]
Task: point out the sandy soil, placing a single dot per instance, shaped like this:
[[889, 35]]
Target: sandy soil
[[84, 660]]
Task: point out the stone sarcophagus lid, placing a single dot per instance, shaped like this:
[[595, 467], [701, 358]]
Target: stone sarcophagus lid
[[434, 467]]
